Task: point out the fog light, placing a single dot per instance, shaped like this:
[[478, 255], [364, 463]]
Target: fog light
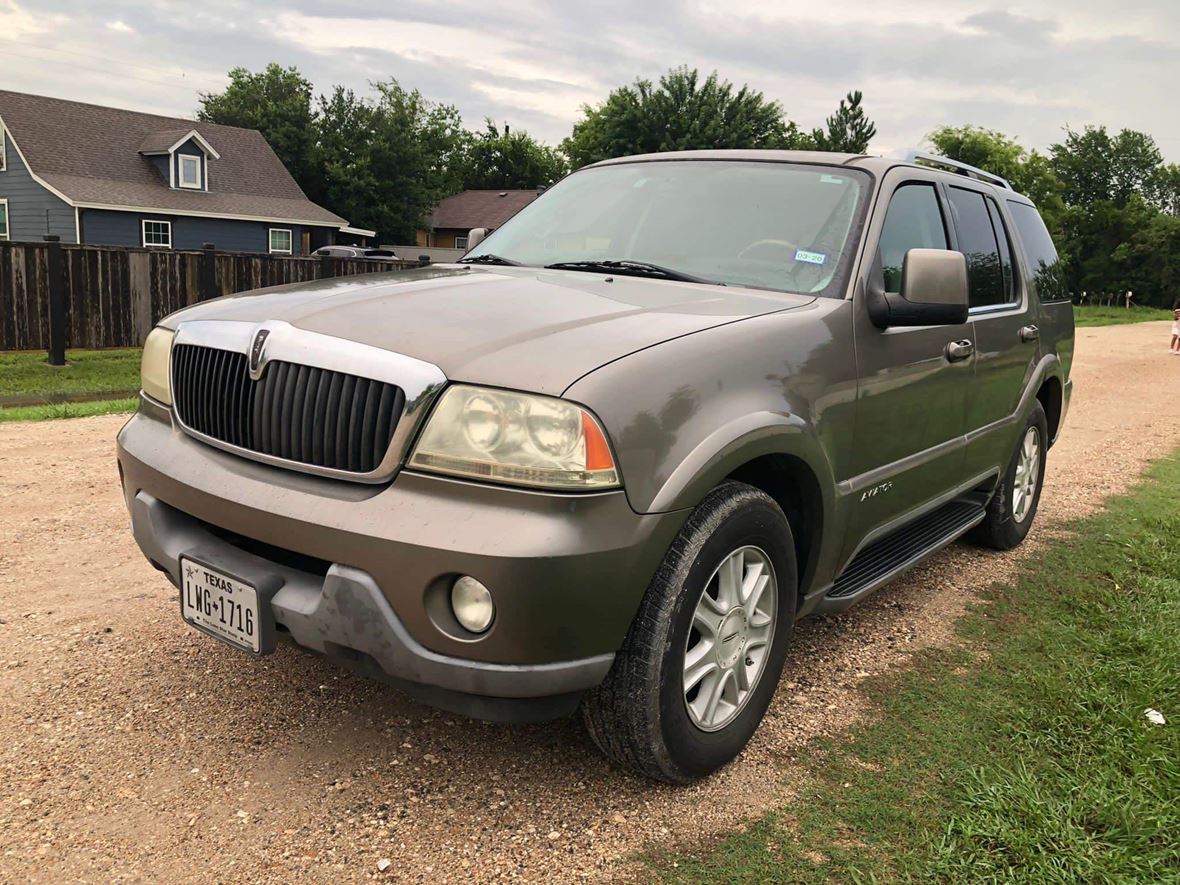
[[472, 604]]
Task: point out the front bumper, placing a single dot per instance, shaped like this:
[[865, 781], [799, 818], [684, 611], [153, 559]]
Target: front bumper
[[567, 572]]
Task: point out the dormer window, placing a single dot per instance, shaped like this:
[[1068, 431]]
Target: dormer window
[[181, 157], [190, 171]]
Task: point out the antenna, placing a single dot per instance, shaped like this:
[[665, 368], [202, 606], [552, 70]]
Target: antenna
[[917, 156]]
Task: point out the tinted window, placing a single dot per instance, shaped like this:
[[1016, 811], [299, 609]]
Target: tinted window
[[977, 241], [1038, 245], [914, 221], [1005, 249]]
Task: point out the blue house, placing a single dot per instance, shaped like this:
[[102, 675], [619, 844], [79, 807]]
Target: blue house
[[103, 176]]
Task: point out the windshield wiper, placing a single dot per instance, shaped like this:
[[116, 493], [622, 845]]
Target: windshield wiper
[[488, 258], [632, 268]]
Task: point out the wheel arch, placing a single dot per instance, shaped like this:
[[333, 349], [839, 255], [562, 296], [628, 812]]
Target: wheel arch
[[776, 453], [1051, 396], [793, 485]]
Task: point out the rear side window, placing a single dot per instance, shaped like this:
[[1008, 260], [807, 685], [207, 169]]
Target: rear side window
[[986, 276], [1005, 244], [913, 221], [1042, 255]]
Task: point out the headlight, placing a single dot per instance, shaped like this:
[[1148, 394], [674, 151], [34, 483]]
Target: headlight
[[154, 370], [515, 438]]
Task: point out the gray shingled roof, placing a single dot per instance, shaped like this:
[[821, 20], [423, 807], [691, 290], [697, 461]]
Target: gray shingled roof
[[489, 209], [91, 155]]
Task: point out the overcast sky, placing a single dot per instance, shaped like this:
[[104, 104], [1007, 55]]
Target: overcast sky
[[1027, 67]]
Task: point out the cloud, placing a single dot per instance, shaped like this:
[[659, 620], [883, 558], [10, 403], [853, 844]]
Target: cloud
[[17, 23], [1028, 70]]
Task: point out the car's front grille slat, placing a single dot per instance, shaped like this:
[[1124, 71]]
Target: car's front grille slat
[[300, 413]]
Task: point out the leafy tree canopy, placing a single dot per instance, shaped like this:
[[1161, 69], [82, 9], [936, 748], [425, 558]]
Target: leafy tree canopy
[[277, 102], [1094, 165], [849, 130], [681, 112], [509, 160]]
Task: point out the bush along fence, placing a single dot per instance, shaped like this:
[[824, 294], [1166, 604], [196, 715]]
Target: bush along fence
[[54, 296]]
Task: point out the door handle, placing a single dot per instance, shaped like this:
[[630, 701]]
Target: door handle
[[1030, 333], [959, 350]]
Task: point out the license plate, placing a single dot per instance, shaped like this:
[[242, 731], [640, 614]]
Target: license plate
[[220, 605]]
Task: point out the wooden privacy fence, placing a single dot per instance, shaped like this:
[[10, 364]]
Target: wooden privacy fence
[[110, 296]]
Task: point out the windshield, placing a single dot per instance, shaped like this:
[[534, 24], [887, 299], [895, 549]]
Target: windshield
[[769, 225]]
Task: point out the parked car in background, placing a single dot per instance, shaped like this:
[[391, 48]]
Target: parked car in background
[[358, 252], [611, 457], [381, 255], [339, 252]]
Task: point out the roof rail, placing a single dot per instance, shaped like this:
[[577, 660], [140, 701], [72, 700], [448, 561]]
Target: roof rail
[[916, 156]]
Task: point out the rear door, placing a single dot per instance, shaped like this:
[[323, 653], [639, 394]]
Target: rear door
[[1003, 321], [911, 399]]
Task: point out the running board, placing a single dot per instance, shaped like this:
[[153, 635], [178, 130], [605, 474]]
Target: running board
[[886, 558]]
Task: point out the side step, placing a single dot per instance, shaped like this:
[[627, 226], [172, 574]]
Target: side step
[[887, 557]]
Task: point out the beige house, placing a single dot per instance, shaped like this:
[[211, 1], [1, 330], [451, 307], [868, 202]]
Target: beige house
[[455, 216]]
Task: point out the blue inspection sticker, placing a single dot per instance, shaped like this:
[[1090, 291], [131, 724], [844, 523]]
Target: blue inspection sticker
[[811, 257]]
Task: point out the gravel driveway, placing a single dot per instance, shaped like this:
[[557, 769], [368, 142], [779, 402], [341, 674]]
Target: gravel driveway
[[132, 749]]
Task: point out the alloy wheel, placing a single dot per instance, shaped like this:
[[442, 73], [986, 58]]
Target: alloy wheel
[[1028, 467], [730, 638]]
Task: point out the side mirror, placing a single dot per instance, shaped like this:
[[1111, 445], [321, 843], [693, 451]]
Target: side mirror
[[475, 236], [933, 292]]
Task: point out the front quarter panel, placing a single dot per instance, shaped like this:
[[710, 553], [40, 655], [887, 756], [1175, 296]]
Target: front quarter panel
[[685, 414]]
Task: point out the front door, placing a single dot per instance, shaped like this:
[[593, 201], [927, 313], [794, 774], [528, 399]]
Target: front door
[[911, 399]]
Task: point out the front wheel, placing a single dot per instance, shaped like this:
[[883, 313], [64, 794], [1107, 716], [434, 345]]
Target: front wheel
[[1013, 507], [704, 654]]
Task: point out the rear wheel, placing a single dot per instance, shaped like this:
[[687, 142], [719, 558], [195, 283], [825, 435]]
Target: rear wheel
[[1013, 508], [703, 657]]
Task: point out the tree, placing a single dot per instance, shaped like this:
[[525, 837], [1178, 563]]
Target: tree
[[1168, 189], [1093, 165], [849, 129], [277, 102], [408, 156], [509, 160], [681, 112]]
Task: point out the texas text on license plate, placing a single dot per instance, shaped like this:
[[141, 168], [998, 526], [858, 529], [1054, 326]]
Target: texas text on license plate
[[220, 604]]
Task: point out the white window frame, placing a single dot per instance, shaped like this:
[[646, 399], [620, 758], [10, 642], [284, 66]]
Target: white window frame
[[196, 185], [143, 233], [460, 242], [7, 234], [270, 241]]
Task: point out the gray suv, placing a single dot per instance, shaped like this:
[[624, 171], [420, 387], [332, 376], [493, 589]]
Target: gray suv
[[608, 460]]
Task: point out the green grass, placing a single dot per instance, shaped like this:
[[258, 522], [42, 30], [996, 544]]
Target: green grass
[[89, 373], [1117, 316], [51, 411], [1032, 763]]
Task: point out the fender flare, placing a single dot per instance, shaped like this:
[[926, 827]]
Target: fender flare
[[735, 443]]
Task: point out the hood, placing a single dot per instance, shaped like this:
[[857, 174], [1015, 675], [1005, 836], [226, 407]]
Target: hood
[[523, 328]]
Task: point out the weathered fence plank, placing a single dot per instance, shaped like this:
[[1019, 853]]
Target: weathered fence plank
[[115, 295]]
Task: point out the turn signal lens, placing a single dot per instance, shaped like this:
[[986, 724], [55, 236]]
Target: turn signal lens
[[154, 375], [515, 438]]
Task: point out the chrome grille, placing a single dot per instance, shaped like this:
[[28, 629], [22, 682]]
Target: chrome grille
[[298, 413]]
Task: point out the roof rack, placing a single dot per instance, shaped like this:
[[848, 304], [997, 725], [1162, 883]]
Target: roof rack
[[916, 156]]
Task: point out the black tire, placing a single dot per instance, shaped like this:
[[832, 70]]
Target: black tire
[[1000, 529], [639, 715]]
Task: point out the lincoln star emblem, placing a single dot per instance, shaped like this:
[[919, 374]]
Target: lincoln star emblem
[[256, 351]]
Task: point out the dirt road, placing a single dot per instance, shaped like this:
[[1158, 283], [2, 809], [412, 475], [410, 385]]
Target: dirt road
[[133, 749]]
